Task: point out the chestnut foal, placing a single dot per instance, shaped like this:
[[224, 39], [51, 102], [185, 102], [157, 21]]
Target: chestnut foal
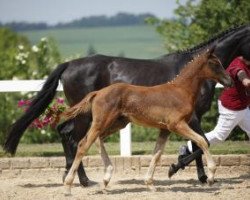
[[168, 106]]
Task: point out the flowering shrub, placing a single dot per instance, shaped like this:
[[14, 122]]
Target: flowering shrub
[[22, 60], [22, 55], [48, 118]]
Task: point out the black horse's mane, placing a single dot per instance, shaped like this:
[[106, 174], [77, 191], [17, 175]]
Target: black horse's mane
[[212, 39]]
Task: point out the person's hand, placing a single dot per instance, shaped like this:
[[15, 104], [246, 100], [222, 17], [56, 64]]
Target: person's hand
[[246, 82]]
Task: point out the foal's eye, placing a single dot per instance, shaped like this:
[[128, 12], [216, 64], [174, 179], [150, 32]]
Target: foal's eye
[[215, 66]]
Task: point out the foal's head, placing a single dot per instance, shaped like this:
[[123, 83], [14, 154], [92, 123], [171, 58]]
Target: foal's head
[[213, 69]]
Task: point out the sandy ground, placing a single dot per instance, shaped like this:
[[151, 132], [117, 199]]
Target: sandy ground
[[231, 183]]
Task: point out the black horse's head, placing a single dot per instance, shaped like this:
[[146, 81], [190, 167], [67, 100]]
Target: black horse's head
[[232, 43]]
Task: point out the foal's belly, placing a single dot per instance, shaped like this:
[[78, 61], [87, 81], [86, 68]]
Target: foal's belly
[[157, 116], [148, 121]]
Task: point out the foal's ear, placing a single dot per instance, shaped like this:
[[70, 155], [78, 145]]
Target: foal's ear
[[210, 51]]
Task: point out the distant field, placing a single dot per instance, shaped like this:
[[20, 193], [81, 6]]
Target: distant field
[[132, 41]]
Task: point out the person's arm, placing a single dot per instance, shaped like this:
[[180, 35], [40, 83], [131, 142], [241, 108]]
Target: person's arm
[[242, 76]]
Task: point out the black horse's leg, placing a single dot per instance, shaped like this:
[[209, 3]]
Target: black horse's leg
[[185, 157], [65, 130], [196, 126], [199, 163]]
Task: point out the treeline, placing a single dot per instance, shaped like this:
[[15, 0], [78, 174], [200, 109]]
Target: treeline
[[25, 26], [120, 19]]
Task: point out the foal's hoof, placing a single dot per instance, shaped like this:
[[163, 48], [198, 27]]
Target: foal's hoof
[[152, 188], [210, 182], [105, 183], [67, 190], [150, 185], [85, 182]]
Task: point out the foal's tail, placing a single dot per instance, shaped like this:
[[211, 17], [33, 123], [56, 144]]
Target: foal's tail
[[83, 106]]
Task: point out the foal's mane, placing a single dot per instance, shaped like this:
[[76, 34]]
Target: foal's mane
[[212, 39], [192, 66]]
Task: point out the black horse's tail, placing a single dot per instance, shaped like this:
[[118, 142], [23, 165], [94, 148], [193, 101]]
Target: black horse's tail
[[37, 107]]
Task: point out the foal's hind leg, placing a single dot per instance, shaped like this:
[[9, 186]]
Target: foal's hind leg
[[183, 129], [82, 149], [159, 148], [70, 135], [117, 125], [108, 167], [101, 121]]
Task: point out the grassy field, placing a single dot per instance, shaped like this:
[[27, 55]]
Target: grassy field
[[138, 148], [132, 41]]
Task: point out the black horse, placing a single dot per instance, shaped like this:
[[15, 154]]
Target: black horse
[[81, 76]]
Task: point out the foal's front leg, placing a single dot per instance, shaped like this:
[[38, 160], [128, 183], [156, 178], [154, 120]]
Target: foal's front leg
[[183, 129], [159, 148]]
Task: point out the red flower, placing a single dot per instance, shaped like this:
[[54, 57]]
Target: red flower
[[50, 114], [60, 100]]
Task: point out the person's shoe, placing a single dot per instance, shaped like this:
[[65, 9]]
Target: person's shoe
[[173, 168]]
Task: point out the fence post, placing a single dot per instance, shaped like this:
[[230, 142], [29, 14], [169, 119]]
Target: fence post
[[125, 141]]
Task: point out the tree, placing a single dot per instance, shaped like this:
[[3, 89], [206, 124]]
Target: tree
[[196, 21], [121, 54], [91, 50]]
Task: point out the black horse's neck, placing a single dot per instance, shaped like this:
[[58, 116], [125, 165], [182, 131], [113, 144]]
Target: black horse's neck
[[228, 46]]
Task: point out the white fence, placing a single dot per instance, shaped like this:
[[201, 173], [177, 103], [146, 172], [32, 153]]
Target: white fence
[[23, 86], [36, 85]]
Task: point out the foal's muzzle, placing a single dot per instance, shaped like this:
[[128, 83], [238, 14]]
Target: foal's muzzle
[[227, 81]]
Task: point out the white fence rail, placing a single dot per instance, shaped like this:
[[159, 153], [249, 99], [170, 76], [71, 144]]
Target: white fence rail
[[23, 85], [36, 85]]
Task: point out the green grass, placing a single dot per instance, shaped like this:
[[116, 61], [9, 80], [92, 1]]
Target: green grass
[[138, 148], [133, 41]]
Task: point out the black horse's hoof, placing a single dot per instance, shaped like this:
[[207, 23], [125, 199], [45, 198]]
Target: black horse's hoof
[[203, 178], [88, 183], [64, 176], [85, 182], [172, 170]]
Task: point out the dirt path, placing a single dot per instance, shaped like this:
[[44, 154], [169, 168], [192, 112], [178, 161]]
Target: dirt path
[[232, 183]]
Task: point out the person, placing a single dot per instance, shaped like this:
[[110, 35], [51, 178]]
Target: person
[[233, 106]]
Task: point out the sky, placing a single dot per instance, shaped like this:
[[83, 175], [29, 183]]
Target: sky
[[54, 11]]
